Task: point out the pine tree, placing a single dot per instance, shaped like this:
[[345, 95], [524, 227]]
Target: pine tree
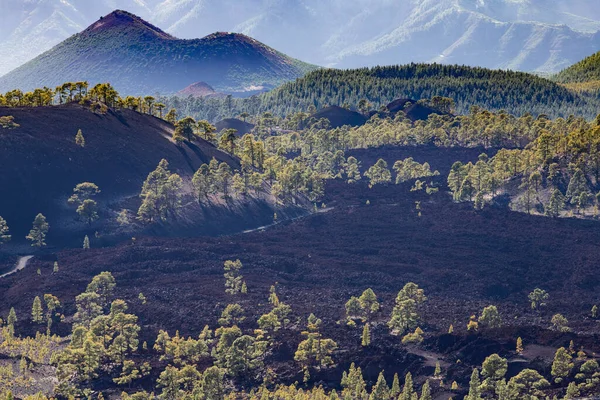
[[184, 129], [352, 170], [493, 369], [86, 242], [451, 329], [79, 139], [455, 178], [474, 386], [232, 315], [581, 355], [503, 391], [572, 391], [438, 370], [83, 191], [425, 391], [171, 116], [233, 278], [4, 236], [273, 299], [407, 390], [556, 204], [52, 303], [92, 352], [560, 323], [562, 364], [405, 314], [538, 298], [353, 310], [594, 311], [224, 178], [161, 194], [519, 347], [577, 186], [12, 319], [55, 268], [366, 336], [37, 234], [36, 310], [306, 376], [490, 317], [381, 390], [379, 173], [368, 303], [395, 391], [23, 365], [88, 211]]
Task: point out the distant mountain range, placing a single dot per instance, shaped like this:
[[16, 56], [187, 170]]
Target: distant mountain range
[[138, 58], [528, 35]]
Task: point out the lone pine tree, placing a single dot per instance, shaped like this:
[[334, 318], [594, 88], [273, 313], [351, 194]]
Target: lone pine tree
[[37, 234]]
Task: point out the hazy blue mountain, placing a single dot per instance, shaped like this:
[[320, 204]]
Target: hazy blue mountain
[[529, 35], [139, 58]]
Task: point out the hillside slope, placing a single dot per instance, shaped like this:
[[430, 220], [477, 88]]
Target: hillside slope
[[42, 164], [140, 59], [516, 92], [586, 70], [463, 259]]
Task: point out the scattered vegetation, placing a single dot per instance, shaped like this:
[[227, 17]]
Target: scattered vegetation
[[545, 166]]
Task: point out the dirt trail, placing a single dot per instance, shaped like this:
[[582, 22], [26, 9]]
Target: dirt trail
[[262, 228], [431, 358], [21, 264]]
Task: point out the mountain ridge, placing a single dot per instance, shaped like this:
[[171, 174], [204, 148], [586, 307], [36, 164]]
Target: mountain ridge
[[535, 35], [122, 17], [139, 58]]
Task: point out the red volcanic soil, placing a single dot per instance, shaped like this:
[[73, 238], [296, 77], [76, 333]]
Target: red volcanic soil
[[198, 89], [464, 259]]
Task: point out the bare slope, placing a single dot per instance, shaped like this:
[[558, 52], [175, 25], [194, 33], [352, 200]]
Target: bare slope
[[42, 163], [464, 259], [140, 59]]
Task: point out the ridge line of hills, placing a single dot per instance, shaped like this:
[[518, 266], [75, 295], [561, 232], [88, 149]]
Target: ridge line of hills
[[141, 59], [534, 35]]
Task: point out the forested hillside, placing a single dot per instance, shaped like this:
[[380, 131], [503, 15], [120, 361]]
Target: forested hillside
[[586, 70], [515, 92]]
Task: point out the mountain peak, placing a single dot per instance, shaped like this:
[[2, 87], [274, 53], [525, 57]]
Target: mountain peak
[[124, 20], [198, 89], [138, 58]]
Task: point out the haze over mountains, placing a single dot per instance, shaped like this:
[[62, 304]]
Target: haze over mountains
[[528, 35], [139, 58]]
